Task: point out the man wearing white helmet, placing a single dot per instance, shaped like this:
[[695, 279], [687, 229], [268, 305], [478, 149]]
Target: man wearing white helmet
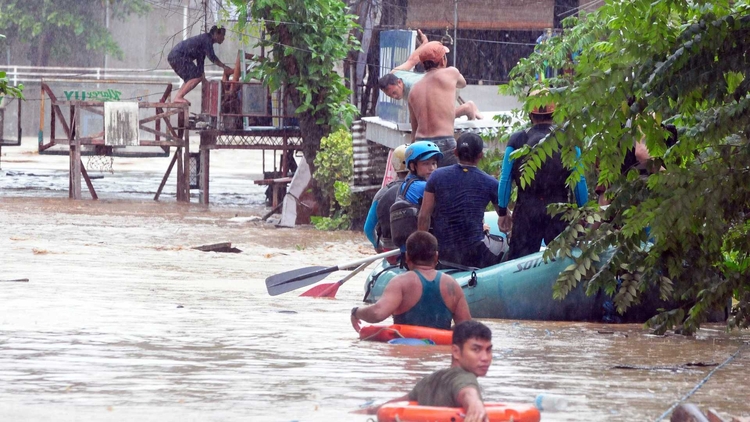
[[378, 223]]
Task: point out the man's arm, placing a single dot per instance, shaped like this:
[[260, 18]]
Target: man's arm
[[370, 223], [413, 59], [425, 212], [461, 313], [472, 404], [414, 123], [215, 60], [383, 308], [460, 80], [581, 188], [503, 191]]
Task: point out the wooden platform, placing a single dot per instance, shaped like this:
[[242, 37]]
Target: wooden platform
[[276, 185]]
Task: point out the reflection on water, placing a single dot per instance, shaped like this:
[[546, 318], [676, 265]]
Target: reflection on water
[[122, 320]]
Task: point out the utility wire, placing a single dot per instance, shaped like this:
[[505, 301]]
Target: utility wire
[[700, 384], [578, 8]]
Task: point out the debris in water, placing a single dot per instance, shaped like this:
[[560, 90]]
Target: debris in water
[[179, 306], [223, 247], [17, 280]]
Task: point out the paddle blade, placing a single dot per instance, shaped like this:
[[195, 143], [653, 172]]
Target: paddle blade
[[323, 290], [280, 283]]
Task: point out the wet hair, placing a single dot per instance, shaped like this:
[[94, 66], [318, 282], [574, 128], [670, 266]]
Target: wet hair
[[468, 330], [421, 247], [388, 80], [215, 29], [429, 64], [468, 146]]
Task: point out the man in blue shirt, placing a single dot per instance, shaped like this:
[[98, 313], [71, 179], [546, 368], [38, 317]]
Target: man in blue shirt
[[531, 223], [187, 57], [454, 202]]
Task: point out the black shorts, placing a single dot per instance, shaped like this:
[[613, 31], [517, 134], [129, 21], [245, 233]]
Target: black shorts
[[184, 68]]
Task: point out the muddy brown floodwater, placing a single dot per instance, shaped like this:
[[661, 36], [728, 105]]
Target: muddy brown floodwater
[[121, 320]]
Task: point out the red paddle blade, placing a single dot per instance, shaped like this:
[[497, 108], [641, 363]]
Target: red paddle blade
[[323, 290]]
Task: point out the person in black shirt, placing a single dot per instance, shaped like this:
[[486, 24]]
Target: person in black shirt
[[187, 57], [531, 223]]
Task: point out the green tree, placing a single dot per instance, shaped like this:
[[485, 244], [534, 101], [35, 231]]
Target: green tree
[[307, 39], [642, 64], [56, 29], [6, 88]]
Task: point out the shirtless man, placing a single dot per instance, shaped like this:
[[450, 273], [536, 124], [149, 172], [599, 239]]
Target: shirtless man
[[432, 106], [402, 78]]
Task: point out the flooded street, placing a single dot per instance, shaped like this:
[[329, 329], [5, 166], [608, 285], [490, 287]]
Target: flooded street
[[122, 320]]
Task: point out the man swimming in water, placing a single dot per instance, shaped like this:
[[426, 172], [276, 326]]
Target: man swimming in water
[[457, 386]]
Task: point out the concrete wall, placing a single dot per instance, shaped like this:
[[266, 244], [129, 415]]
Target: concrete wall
[[145, 40]]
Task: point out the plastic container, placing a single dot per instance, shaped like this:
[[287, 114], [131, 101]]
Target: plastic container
[[550, 403]]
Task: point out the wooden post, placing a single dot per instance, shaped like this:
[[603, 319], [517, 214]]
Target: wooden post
[[186, 154], [205, 158], [180, 158], [180, 173], [75, 155]]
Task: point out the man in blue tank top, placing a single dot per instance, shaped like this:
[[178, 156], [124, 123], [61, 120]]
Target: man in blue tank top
[[421, 296], [454, 201]]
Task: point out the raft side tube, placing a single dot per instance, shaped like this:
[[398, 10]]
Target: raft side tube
[[496, 412], [386, 333]]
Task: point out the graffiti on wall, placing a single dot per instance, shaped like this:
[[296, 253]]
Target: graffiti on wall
[[108, 95]]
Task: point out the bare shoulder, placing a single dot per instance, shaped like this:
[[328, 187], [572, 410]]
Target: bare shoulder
[[450, 283], [451, 71], [404, 279]]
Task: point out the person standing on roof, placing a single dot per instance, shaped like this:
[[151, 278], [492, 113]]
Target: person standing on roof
[[422, 296], [421, 159], [187, 57], [398, 83], [455, 199], [531, 223], [378, 222], [432, 101]]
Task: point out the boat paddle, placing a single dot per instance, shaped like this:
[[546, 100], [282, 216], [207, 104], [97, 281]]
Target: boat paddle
[[329, 289], [295, 279]]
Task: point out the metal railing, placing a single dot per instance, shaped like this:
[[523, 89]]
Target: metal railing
[[32, 74]]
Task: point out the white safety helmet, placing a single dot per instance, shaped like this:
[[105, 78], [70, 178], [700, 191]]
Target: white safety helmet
[[398, 159]]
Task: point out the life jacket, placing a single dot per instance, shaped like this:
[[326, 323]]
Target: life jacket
[[403, 217]]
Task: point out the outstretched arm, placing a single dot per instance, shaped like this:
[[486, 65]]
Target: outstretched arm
[[413, 59], [382, 309], [472, 403]]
